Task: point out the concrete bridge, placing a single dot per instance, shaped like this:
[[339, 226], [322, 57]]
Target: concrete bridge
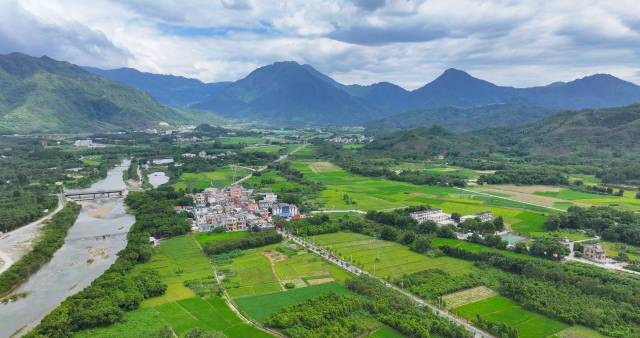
[[93, 195]]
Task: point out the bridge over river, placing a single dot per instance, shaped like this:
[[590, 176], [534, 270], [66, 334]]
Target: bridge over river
[[93, 195]]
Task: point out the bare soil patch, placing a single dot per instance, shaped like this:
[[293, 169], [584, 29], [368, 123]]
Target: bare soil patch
[[319, 167], [320, 281]]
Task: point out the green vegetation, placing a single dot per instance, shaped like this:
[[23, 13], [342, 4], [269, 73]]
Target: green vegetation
[[121, 289], [262, 306], [53, 96], [335, 315], [380, 194], [249, 274], [48, 243], [611, 224], [254, 240], [207, 237], [502, 310], [386, 259], [219, 178]]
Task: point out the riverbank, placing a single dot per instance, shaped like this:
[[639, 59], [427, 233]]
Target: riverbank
[[90, 248], [51, 240]]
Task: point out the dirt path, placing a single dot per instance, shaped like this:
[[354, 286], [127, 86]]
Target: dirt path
[[509, 199], [273, 270]]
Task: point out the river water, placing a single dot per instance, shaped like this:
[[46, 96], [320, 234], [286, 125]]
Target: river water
[[158, 178], [89, 249]]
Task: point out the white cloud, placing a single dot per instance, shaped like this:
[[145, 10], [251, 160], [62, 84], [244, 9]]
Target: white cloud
[[405, 42]]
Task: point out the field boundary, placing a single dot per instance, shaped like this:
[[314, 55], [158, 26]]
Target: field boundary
[[232, 305], [508, 199]]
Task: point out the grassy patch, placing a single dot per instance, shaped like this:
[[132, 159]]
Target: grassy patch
[[500, 309], [177, 260], [579, 332], [221, 177], [204, 237], [91, 160], [262, 306]]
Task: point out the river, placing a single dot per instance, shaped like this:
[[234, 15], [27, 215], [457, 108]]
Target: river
[[89, 249], [157, 178]]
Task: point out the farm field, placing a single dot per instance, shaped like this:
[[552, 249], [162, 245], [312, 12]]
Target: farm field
[[211, 315], [467, 296], [219, 178], [270, 181], [92, 160], [266, 148], [267, 269], [438, 168], [500, 309], [241, 139], [177, 260], [262, 306], [381, 194], [386, 259], [561, 198], [204, 237]]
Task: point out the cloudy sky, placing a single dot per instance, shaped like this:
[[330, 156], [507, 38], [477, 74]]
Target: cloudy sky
[[519, 43]]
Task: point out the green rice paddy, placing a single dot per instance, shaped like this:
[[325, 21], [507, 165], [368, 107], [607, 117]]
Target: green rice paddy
[[386, 259], [382, 194], [262, 306], [500, 309]]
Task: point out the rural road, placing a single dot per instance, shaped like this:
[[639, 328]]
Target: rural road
[[24, 233], [477, 333]]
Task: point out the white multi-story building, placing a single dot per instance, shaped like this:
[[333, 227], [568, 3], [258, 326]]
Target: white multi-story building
[[435, 215]]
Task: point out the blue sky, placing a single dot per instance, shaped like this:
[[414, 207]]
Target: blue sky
[[518, 43]]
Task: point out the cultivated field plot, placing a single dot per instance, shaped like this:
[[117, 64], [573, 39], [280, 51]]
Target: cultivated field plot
[[270, 181], [219, 178], [386, 259], [262, 306], [177, 260], [263, 148], [467, 296], [370, 193], [241, 140], [181, 316], [500, 309], [204, 238], [266, 270], [250, 274], [561, 198]]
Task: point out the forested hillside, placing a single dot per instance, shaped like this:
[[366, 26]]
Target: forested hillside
[[45, 95]]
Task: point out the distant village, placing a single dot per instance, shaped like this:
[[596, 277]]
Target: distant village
[[235, 209]]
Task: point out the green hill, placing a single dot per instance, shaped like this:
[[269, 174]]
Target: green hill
[[591, 133], [45, 95]]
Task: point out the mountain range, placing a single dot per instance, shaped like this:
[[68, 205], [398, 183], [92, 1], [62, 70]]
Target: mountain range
[[294, 94], [45, 95], [583, 134]]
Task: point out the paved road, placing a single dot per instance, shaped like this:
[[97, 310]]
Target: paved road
[[29, 230], [357, 271]]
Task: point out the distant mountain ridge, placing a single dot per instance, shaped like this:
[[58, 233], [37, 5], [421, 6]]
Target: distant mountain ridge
[[45, 95], [288, 93], [176, 91]]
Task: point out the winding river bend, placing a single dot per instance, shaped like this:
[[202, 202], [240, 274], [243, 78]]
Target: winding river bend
[[89, 249]]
